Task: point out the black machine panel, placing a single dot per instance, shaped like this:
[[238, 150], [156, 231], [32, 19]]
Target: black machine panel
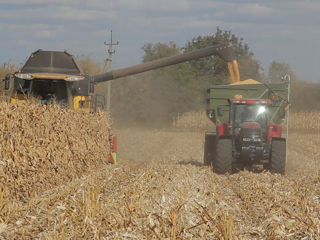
[[50, 62], [80, 88]]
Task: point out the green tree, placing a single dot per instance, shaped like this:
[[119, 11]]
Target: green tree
[[88, 65], [214, 67], [159, 50], [279, 69], [157, 96], [305, 96]]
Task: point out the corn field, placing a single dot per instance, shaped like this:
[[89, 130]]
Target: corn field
[[198, 120], [305, 121], [194, 120], [45, 146], [56, 184]]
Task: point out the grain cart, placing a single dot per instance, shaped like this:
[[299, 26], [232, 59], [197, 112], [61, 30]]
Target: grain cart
[[248, 117]]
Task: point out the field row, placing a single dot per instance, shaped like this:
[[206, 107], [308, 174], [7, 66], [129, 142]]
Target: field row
[[198, 120], [160, 190]]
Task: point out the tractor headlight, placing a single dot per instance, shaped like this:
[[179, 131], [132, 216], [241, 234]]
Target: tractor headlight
[[261, 110]]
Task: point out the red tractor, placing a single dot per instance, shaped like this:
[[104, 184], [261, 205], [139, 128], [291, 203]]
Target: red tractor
[[248, 130]]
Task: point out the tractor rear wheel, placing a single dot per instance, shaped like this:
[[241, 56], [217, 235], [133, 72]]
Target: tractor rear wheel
[[222, 162], [278, 156], [209, 148]]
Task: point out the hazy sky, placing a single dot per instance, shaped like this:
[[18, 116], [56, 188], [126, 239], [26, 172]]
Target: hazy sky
[[280, 30]]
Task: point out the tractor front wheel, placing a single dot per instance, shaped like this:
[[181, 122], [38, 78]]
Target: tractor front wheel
[[222, 162], [209, 148], [278, 156]]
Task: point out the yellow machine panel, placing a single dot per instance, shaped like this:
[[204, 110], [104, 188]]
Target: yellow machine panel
[[82, 103], [18, 98]]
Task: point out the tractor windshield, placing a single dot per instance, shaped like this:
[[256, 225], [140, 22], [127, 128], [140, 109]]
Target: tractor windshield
[[251, 113]]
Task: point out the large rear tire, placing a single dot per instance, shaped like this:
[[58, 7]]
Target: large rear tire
[[222, 162], [278, 156], [209, 148]]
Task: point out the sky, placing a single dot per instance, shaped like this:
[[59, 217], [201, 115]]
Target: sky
[[275, 30]]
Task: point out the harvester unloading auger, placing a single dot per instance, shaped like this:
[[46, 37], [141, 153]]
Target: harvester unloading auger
[[224, 50]]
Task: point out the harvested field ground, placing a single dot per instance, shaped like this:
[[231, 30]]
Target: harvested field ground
[[160, 190]]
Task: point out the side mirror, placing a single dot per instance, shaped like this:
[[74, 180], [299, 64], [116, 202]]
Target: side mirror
[[220, 111], [7, 82]]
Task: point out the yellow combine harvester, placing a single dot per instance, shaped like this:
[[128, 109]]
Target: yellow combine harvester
[[50, 76]]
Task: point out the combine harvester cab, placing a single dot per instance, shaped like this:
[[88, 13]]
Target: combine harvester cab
[[248, 116], [53, 76]]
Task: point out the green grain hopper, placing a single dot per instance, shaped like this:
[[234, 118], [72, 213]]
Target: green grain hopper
[[219, 96]]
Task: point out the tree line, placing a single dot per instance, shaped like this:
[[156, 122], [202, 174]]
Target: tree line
[[156, 97]]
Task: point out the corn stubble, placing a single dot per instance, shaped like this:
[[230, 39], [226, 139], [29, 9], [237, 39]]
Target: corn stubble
[[160, 190]]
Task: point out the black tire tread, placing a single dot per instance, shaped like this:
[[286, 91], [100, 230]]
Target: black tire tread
[[209, 150], [278, 156], [223, 160]]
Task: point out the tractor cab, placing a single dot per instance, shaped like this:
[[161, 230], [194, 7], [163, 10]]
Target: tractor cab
[[250, 119], [249, 113]]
